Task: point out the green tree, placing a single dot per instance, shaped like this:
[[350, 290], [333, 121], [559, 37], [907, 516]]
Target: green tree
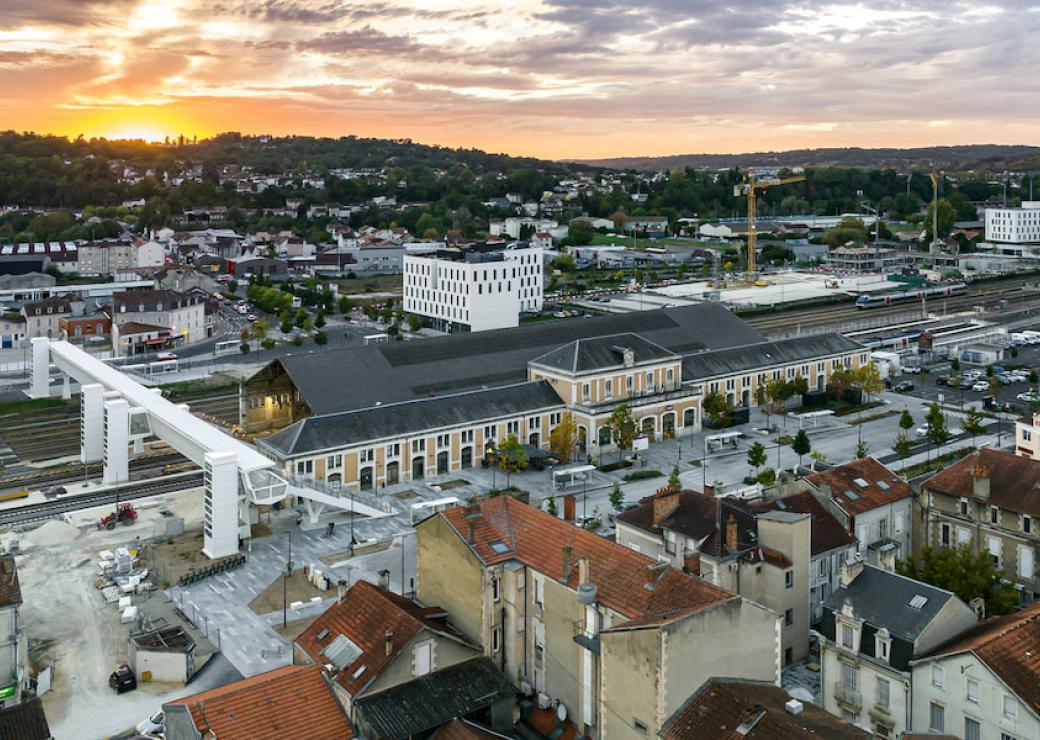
[[616, 497], [947, 215], [801, 445], [937, 431], [344, 305], [267, 343], [674, 482], [719, 409], [286, 326], [319, 321], [756, 456], [301, 318], [840, 381], [903, 446], [551, 506], [511, 457], [321, 338], [622, 428], [861, 449], [563, 438], [868, 380], [414, 322], [906, 420], [973, 424], [968, 574], [850, 229]]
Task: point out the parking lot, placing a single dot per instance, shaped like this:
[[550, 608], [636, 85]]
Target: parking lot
[[926, 386]]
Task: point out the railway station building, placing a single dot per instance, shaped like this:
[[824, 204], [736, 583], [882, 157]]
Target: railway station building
[[381, 414]]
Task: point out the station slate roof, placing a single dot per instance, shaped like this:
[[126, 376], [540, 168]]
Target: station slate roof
[[1014, 481], [400, 371], [602, 353], [862, 485], [638, 587], [368, 617], [333, 431], [294, 701], [430, 701], [721, 706], [751, 356], [1010, 647]]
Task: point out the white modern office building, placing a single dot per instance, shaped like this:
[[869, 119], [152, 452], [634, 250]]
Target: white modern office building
[[475, 289], [1014, 225]]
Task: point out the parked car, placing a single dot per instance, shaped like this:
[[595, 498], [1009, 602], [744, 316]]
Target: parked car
[[122, 679], [903, 387], [165, 356], [922, 431], [153, 724], [980, 386], [1028, 397]]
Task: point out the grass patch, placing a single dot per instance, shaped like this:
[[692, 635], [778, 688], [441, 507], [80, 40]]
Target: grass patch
[[936, 463], [405, 495], [448, 485], [784, 439], [30, 404], [873, 417], [619, 465], [642, 475]]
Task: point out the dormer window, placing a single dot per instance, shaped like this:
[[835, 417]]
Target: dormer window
[[848, 636], [963, 507]]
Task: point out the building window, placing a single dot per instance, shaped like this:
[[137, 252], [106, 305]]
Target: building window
[[628, 383], [608, 388], [994, 515], [418, 445], [937, 675], [496, 588], [882, 692], [971, 729], [512, 428], [490, 432], [585, 391], [944, 534], [973, 691], [936, 717], [789, 579], [849, 676], [882, 643], [639, 727], [963, 507], [1010, 706], [1027, 524], [848, 636], [393, 450], [496, 639], [789, 617]]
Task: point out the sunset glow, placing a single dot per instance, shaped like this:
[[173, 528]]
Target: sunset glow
[[554, 78]]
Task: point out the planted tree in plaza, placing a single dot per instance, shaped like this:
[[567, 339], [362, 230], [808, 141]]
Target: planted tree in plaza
[[861, 449], [801, 445], [511, 457], [319, 321], [551, 506], [868, 380], [622, 428], [674, 483], [756, 456], [906, 420], [840, 381], [903, 445], [616, 497], [564, 437], [936, 421], [763, 400], [973, 424], [718, 408]]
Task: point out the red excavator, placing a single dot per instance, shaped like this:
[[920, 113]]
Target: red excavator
[[124, 514]]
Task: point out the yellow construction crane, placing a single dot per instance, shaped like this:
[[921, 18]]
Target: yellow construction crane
[[749, 189]]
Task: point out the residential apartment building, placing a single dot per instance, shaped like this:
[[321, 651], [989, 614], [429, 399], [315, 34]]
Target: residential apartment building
[[14, 643], [1027, 436], [181, 315], [112, 256], [983, 684], [989, 502], [873, 504], [870, 631], [1014, 226], [43, 318], [763, 556], [372, 640], [89, 328], [618, 639], [474, 289]]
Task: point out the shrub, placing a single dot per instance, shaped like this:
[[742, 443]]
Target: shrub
[[642, 475], [767, 477]]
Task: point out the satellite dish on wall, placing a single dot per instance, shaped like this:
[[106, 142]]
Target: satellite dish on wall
[[561, 712]]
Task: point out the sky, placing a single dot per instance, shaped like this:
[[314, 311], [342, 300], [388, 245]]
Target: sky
[[548, 78]]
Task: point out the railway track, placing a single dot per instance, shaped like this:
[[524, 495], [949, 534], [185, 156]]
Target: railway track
[[76, 502], [74, 472], [822, 316]]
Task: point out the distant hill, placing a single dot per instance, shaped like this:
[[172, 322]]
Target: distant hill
[[985, 157]]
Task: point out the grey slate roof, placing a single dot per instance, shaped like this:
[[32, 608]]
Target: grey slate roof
[[434, 699], [601, 353], [401, 371], [25, 721], [883, 600], [333, 431], [729, 360]]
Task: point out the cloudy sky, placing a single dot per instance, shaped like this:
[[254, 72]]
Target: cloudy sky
[[552, 78]]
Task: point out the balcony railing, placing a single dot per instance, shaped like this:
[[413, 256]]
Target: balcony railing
[[337, 490], [659, 393], [849, 697]]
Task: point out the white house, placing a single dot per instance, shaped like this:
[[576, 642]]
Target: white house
[[983, 684]]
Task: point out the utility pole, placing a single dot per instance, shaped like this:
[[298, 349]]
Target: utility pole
[[285, 582], [935, 213]]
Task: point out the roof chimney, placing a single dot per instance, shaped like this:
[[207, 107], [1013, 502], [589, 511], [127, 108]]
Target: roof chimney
[[583, 570], [665, 502], [568, 556], [384, 580], [980, 480], [850, 570], [389, 640], [731, 534]]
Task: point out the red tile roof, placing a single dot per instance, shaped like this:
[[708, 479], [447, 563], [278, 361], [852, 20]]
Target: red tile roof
[[295, 701], [827, 532], [1010, 646], [629, 583], [842, 481], [1014, 482], [366, 615], [721, 706]]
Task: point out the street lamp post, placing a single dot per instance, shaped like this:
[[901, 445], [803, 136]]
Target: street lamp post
[[285, 582]]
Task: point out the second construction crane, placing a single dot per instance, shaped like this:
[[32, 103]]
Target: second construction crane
[[750, 188]]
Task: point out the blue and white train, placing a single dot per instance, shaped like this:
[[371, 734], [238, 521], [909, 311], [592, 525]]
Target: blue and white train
[[887, 299]]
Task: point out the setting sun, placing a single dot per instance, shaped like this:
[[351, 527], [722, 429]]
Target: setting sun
[[144, 133]]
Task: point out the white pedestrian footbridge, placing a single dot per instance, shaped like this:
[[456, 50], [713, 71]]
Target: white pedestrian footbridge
[[117, 412]]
